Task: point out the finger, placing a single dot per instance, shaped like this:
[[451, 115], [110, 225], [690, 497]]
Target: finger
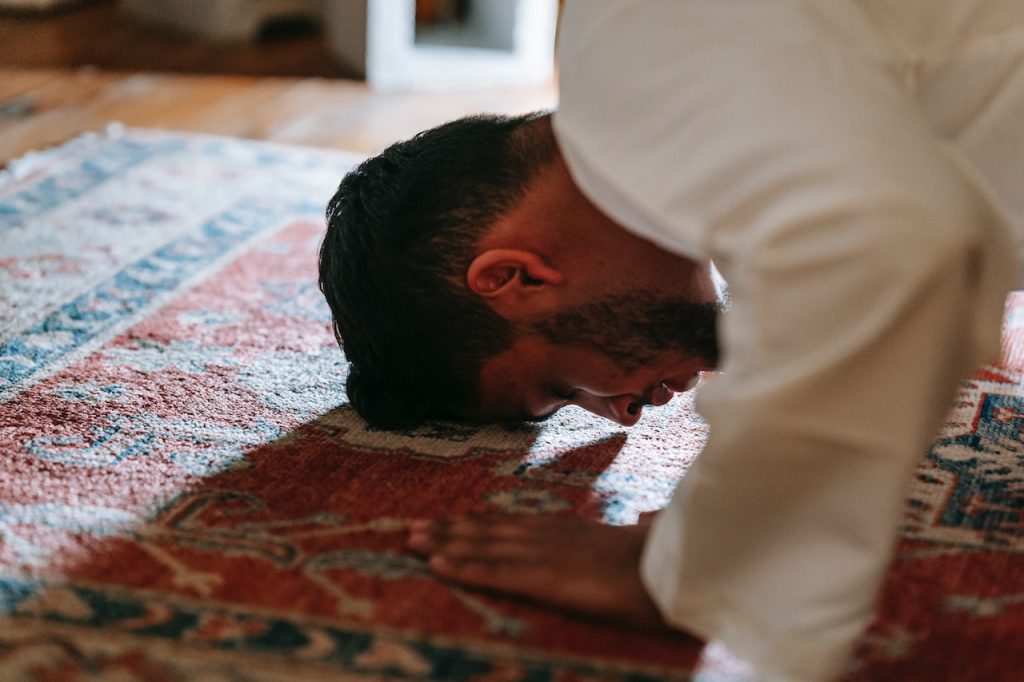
[[461, 543], [441, 539], [427, 534], [488, 551], [501, 576], [421, 542], [474, 527]]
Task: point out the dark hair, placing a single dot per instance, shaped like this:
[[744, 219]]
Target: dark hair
[[401, 231]]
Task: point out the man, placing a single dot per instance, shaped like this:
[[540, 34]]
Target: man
[[849, 167]]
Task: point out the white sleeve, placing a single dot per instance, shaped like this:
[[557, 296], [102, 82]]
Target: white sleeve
[[842, 349], [867, 275]]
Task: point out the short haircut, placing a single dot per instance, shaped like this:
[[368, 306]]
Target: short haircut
[[401, 231]]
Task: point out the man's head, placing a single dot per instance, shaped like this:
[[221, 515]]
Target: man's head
[[401, 232], [469, 276]]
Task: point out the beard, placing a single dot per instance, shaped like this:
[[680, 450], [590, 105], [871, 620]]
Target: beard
[[636, 328]]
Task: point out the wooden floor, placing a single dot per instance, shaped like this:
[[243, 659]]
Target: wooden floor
[[39, 108], [100, 34], [47, 96]]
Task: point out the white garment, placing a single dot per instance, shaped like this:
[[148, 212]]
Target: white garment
[[817, 153]]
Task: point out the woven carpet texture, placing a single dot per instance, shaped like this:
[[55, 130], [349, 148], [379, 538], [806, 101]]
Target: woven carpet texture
[[185, 495]]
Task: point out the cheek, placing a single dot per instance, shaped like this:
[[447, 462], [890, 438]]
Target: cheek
[[589, 371], [611, 382]]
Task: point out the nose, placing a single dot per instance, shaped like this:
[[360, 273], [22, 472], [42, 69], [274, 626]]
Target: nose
[[624, 409]]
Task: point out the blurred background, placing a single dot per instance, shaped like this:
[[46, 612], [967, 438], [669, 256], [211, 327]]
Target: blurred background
[[355, 74], [105, 34]]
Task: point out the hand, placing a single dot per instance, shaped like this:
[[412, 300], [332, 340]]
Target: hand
[[566, 562]]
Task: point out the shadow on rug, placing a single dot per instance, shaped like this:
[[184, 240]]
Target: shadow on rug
[[185, 494]]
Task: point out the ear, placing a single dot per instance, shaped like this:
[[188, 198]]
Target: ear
[[512, 277]]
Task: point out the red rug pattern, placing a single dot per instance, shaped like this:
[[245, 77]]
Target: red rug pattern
[[185, 495]]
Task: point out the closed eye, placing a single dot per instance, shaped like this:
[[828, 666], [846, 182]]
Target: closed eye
[[566, 394], [563, 395], [539, 417]]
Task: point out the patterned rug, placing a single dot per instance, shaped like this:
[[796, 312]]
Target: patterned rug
[[184, 494]]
